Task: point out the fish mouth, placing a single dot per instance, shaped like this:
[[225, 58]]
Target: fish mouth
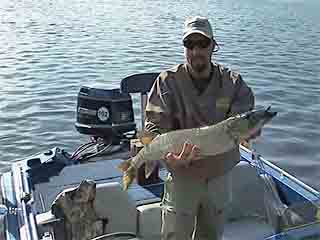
[[270, 114], [266, 116]]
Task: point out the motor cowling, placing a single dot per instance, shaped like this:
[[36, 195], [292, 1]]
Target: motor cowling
[[104, 112]]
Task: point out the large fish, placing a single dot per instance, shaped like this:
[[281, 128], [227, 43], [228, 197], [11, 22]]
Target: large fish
[[211, 140]]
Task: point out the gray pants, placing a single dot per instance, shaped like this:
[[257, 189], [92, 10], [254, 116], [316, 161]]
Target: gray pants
[[194, 209]]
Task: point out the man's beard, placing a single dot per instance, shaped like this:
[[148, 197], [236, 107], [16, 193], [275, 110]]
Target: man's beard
[[199, 65]]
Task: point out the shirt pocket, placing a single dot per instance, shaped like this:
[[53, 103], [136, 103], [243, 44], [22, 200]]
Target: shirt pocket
[[222, 107]]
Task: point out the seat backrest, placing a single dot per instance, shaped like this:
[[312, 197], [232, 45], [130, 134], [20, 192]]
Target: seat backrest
[[139, 83]]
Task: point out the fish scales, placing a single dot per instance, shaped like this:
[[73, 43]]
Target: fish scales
[[212, 140]]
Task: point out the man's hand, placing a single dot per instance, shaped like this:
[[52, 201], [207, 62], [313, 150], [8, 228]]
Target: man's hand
[[257, 134], [188, 154], [246, 142]]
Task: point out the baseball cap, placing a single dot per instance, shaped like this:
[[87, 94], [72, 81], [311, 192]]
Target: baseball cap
[[197, 24]]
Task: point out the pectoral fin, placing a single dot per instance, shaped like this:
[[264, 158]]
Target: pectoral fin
[[146, 137], [123, 166], [149, 167]]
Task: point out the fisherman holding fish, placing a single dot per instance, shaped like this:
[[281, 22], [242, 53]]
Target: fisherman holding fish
[[194, 127], [196, 93]]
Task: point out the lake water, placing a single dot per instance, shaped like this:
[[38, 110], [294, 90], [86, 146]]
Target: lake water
[[48, 49]]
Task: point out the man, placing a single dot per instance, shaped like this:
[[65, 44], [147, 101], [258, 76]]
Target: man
[[196, 93]]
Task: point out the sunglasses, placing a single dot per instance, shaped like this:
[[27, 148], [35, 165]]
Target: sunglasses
[[200, 43]]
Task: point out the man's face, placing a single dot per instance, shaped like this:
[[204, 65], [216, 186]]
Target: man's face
[[198, 51]]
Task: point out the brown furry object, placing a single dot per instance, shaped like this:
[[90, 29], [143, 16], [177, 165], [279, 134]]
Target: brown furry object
[[77, 209]]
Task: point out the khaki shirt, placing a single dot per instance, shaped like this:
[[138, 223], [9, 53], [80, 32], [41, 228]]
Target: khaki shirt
[[175, 103]]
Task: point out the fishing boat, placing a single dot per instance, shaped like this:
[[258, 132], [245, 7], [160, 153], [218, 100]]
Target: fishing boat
[[267, 202]]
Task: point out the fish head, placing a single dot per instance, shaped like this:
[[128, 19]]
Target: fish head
[[249, 124]]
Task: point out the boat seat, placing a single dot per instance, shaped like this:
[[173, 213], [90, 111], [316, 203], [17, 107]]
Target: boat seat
[[110, 203], [247, 193], [247, 209], [114, 211], [138, 83], [149, 215]]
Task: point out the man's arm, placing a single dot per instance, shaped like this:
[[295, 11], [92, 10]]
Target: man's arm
[[159, 114], [160, 119], [243, 100]]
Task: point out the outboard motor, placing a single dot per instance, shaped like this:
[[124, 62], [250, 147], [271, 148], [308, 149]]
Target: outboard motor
[[105, 113]]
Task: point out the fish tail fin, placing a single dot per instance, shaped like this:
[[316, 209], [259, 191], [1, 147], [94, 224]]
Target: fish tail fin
[[128, 177], [149, 168], [129, 173]]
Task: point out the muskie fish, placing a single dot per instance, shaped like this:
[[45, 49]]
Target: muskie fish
[[211, 140]]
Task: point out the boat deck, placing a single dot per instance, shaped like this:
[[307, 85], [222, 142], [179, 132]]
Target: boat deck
[[99, 171]]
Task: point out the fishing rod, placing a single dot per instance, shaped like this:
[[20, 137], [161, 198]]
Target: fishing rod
[[284, 217]]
